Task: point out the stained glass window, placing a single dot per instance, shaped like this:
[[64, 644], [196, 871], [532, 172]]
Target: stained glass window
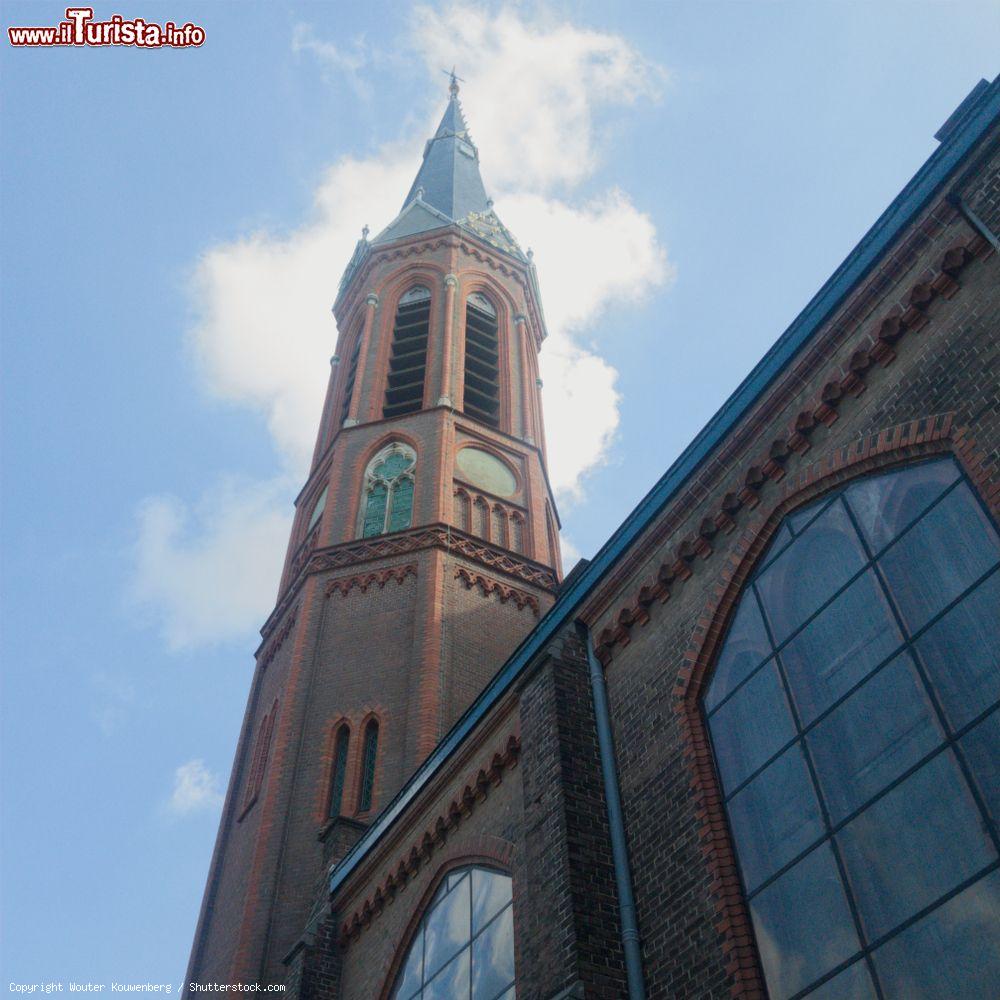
[[388, 502], [464, 946], [854, 716]]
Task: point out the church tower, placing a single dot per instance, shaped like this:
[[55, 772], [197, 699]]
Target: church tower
[[424, 548]]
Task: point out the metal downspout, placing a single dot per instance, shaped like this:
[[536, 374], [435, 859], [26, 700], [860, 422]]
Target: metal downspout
[[616, 823]]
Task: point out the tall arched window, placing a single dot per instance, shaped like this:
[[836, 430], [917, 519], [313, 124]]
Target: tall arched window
[[482, 360], [388, 496], [341, 746], [464, 946], [404, 390], [369, 756], [853, 711], [350, 376]]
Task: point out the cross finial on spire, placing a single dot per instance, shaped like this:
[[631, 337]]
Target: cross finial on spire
[[453, 85]]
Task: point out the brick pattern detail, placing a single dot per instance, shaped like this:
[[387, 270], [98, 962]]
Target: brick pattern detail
[[362, 581], [877, 345], [475, 791], [506, 593]]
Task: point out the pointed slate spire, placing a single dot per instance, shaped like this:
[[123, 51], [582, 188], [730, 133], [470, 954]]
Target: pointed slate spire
[[449, 175], [448, 187]]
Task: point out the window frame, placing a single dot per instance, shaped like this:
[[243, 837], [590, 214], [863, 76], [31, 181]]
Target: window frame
[[371, 481]]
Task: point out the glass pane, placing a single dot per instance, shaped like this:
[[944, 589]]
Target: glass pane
[[452, 982], [982, 752], [491, 892], [781, 538], [950, 547], [446, 928], [803, 925], [917, 842], [885, 727], [804, 515], [775, 817], [854, 983], [402, 505], [884, 505], [952, 952], [810, 570], [839, 647], [317, 509], [752, 726], [493, 958], [375, 511], [393, 465], [961, 652], [745, 647], [410, 978]]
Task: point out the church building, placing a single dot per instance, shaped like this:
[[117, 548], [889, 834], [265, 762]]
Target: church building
[[749, 749]]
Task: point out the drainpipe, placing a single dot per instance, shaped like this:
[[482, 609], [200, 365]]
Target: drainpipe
[[616, 823], [975, 221]]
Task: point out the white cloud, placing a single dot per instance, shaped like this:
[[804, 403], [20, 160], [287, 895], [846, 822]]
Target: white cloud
[[211, 573], [263, 332], [195, 788], [348, 61]]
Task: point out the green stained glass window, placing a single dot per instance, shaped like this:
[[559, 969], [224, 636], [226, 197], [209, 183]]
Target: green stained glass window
[[375, 510], [389, 491]]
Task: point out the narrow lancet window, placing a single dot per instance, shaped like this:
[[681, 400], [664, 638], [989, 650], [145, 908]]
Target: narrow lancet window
[[339, 773], [482, 360], [369, 755], [404, 391]]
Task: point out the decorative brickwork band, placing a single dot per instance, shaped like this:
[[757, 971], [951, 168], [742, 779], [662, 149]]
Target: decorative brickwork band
[[474, 791], [502, 590], [441, 536], [364, 580], [876, 345], [271, 649]]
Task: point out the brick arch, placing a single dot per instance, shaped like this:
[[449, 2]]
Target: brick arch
[[356, 473], [890, 448], [485, 852], [481, 444], [333, 731]]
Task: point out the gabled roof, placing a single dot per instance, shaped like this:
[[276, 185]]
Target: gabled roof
[[977, 117]]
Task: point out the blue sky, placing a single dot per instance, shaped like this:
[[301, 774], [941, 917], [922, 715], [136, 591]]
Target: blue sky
[[174, 224]]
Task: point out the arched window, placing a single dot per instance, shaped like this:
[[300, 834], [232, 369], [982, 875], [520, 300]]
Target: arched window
[[404, 390], [317, 511], [482, 360], [853, 711], [388, 498], [462, 515], [498, 534], [339, 773], [350, 376], [517, 532], [464, 946], [369, 755]]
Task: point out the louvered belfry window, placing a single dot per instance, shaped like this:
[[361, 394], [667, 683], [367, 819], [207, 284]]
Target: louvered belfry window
[[404, 391], [368, 757], [340, 749], [352, 374], [482, 360]]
